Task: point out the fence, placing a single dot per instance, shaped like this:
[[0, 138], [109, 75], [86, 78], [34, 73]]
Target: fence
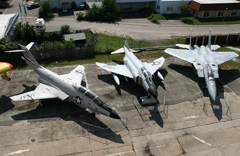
[[78, 52], [215, 39]]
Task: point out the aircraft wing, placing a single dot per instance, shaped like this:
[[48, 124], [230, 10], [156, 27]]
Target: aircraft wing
[[222, 57], [75, 76], [41, 92], [155, 65], [117, 69], [187, 55]]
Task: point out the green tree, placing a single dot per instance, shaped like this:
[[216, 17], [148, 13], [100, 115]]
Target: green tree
[[65, 29], [45, 9], [24, 32], [17, 35], [74, 5], [184, 9], [28, 33], [110, 10]]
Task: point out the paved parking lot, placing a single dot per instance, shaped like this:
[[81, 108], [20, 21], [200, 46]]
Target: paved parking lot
[[184, 126]]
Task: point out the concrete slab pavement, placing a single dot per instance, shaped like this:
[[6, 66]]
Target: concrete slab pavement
[[182, 127]]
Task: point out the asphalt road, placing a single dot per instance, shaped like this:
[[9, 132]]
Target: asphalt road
[[138, 28]]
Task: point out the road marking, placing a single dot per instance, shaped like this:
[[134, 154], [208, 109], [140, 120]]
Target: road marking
[[161, 146], [18, 152], [120, 153], [191, 117], [202, 141]]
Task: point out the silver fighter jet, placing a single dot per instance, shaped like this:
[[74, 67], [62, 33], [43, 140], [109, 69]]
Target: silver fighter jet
[[140, 72], [63, 87], [204, 60]]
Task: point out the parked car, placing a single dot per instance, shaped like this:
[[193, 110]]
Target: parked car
[[64, 9], [32, 5]]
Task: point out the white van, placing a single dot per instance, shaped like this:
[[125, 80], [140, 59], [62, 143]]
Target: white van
[[40, 24]]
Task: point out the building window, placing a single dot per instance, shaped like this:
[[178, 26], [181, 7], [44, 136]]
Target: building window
[[169, 8], [158, 7], [220, 13], [234, 13], [206, 14], [65, 3]]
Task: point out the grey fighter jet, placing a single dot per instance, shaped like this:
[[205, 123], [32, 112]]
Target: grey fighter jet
[[64, 87], [204, 60], [140, 72]]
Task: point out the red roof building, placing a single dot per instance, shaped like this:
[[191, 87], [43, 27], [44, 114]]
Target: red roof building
[[215, 8]]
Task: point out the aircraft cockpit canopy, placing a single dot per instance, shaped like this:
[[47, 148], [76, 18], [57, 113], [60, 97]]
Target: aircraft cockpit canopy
[[87, 93], [98, 101], [91, 95], [146, 75]]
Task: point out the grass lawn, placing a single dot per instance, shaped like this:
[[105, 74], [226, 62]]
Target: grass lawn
[[210, 21], [229, 65], [105, 44], [155, 17]]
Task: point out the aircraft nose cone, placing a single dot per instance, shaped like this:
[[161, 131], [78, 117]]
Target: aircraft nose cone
[[114, 115], [212, 92], [153, 91]]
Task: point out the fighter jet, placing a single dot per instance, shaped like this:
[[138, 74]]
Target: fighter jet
[[204, 60], [64, 87], [4, 68], [140, 72]]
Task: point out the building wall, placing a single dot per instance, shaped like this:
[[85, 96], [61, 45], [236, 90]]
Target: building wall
[[168, 7], [216, 14], [128, 7], [78, 2]]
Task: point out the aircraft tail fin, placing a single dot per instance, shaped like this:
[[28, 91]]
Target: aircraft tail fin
[[27, 54], [209, 38], [125, 42], [122, 50], [190, 41]]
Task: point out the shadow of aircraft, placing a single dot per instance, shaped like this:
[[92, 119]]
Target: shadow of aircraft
[[217, 108], [54, 108], [99, 129], [5, 104], [190, 73], [155, 115]]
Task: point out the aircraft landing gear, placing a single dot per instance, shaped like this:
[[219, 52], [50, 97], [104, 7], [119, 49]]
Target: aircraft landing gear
[[41, 103], [93, 114]]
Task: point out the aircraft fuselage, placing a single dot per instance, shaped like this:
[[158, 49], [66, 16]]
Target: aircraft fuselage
[[140, 74], [207, 68], [81, 96]]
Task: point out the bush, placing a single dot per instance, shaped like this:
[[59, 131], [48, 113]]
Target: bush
[[154, 17], [65, 29], [80, 16], [190, 20], [56, 45]]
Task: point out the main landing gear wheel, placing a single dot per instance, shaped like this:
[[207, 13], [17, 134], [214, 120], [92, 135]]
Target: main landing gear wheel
[[41, 103]]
